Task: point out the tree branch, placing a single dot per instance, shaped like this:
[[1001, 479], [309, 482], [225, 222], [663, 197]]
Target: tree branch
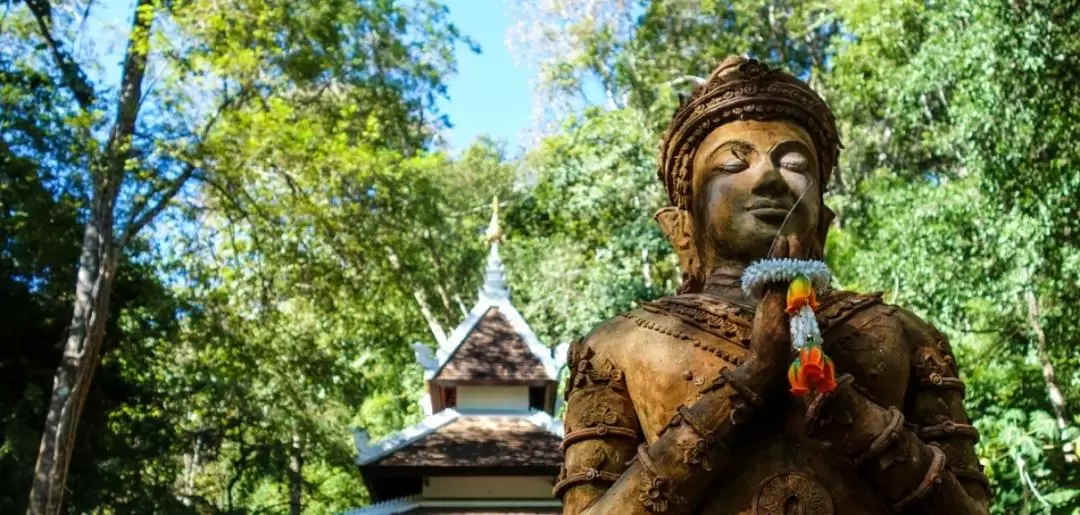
[[138, 220], [73, 76], [1057, 398], [143, 213]]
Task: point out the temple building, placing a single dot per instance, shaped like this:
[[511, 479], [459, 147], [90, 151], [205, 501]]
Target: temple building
[[489, 443]]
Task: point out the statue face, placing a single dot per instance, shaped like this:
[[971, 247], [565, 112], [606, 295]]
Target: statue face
[[752, 181]]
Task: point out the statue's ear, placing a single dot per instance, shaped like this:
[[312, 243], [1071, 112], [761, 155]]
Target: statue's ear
[[678, 226], [824, 222]]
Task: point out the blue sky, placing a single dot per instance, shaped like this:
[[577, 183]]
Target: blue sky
[[490, 94]]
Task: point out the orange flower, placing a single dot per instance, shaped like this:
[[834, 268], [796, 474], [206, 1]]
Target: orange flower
[[801, 293], [828, 378], [813, 361], [800, 386], [812, 370]]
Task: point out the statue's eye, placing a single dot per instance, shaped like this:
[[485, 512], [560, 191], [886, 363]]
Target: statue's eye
[[734, 165], [794, 162]]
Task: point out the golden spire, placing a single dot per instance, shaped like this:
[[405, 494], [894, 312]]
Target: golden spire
[[494, 234], [494, 277]]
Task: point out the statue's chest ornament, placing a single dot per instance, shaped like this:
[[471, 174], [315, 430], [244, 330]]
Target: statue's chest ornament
[[723, 320], [791, 494], [664, 324], [730, 324]]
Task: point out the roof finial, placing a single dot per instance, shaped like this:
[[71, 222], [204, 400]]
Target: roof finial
[[494, 234], [494, 279]]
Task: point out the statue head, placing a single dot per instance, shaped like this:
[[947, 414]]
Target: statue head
[[746, 158]]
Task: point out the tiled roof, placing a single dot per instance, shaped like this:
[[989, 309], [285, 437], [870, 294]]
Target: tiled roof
[[418, 505], [493, 350], [485, 511], [481, 441]]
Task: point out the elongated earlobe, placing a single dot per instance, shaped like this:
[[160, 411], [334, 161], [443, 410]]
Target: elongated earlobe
[[678, 226], [824, 222]]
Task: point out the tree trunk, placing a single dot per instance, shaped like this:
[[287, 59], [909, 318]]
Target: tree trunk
[[433, 323], [71, 381], [646, 270], [1057, 398], [421, 301], [98, 262], [191, 470], [296, 478]]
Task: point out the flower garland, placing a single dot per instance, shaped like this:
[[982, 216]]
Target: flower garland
[[811, 370]]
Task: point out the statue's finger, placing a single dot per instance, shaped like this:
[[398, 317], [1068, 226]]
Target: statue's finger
[[779, 248], [796, 249]]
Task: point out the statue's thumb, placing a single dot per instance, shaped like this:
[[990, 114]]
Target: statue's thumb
[[795, 247]]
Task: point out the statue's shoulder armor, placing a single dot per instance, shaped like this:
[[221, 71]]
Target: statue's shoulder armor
[[844, 309], [839, 309], [689, 319]]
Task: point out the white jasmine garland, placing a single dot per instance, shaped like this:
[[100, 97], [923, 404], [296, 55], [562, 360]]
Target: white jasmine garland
[[804, 328], [766, 271], [803, 324]]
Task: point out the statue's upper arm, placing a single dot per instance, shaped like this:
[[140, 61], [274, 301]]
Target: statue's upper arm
[[600, 423]]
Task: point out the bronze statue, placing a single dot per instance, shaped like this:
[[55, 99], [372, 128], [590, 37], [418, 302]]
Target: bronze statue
[[681, 406]]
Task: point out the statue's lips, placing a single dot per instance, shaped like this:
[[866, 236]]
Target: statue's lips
[[769, 214], [769, 210], [763, 203]]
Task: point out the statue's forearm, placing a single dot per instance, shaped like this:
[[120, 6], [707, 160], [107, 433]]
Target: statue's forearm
[[670, 475], [659, 480], [913, 475]]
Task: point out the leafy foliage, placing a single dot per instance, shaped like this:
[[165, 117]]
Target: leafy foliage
[[270, 310]]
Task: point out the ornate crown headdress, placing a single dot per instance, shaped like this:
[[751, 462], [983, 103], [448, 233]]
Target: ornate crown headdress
[[742, 89]]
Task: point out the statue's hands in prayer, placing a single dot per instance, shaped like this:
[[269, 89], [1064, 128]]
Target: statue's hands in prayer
[[770, 339]]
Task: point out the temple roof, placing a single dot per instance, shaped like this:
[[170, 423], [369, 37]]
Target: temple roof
[[494, 350], [493, 342], [419, 505], [451, 439]]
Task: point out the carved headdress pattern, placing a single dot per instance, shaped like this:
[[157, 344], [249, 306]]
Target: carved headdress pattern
[[742, 89]]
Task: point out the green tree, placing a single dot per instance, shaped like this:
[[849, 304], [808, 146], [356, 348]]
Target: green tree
[[959, 197], [582, 242], [146, 146], [39, 248], [639, 54]]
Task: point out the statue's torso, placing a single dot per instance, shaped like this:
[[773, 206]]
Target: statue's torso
[[680, 344]]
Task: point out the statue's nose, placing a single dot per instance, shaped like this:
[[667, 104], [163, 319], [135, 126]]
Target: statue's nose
[[771, 182]]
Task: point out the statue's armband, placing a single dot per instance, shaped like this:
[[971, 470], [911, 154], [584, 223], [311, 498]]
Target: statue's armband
[[601, 430], [922, 457], [936, 409]]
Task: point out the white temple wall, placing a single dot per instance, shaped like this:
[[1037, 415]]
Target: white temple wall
[[488, 487], [502, 398]]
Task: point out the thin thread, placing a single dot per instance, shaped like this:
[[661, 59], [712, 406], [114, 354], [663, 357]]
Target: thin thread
[[787, 216]]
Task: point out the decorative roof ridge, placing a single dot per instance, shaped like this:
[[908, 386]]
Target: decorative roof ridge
[[386, 507], [495, 412], [404, 504], [370, 453]]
